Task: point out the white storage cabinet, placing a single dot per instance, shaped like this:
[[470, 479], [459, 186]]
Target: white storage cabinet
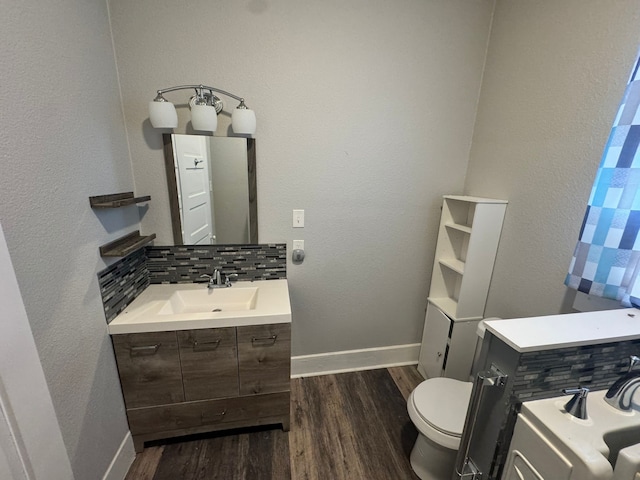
[[468, 239]]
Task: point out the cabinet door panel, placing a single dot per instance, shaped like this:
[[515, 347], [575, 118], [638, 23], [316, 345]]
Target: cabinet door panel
[[209, 363], [434, 341], [149, 367], [264, 358]]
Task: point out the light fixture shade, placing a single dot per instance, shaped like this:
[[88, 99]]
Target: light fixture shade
[[204, 117], [163, 115], [243, 120]]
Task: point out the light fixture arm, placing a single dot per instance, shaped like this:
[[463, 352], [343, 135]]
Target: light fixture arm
[[199, 87]]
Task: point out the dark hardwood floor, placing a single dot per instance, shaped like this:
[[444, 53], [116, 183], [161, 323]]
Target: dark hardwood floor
[[346, 426]]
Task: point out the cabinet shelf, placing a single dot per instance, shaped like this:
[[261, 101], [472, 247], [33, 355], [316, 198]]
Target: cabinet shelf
[[446, 304], [453, 264], [461, 228], [116, 200], [125, 245]]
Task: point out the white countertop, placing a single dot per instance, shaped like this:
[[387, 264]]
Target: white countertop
[[568, 330], [143, 314]]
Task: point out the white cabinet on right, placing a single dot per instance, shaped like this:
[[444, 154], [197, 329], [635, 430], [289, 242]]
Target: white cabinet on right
[[468, 239]]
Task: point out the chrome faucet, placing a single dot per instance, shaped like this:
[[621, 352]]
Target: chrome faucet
[[215, 280], [620, 394]]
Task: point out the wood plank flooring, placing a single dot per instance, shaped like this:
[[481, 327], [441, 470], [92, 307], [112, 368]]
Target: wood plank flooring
[[347, 426]]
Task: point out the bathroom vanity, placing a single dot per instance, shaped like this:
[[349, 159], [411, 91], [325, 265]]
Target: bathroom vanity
[[194, 360]]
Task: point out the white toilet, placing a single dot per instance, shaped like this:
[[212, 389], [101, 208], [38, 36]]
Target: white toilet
[[438, 408]]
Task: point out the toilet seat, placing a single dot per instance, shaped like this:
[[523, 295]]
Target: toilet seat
[[438, 407]]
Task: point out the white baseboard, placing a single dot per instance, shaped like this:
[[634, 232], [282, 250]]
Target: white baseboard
[[354, 360], [122, 460]]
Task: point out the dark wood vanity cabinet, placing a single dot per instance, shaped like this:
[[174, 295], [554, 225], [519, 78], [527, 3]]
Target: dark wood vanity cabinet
[[193, 381]]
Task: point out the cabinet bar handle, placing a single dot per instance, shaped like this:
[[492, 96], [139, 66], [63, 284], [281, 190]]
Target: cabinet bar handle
[[202, 345], [271, 339], [145, 350]]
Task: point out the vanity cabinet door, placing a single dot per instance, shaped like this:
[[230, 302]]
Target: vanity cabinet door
[[209, 363], [149, 367], [264, 358]]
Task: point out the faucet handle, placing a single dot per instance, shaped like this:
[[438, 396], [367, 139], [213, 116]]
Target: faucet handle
[[577, 406], [228, 277], [633, 361]]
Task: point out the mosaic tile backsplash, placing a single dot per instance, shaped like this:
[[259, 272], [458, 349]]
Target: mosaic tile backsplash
[[186, 264], [544, 374], [123, 281]]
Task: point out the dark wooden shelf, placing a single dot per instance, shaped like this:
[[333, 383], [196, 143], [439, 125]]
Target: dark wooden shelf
[[125, 245], [116, 200]]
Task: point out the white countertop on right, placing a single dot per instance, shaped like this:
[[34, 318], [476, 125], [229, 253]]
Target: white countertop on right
[[567, 330]]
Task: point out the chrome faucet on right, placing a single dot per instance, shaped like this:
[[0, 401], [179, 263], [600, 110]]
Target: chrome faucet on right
[[620, 394]]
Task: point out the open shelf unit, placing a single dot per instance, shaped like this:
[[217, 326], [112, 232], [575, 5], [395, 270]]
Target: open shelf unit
[[467, 245]]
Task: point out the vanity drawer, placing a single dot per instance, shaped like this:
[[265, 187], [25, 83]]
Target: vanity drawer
[[167, 418], [209, 363], [264, 358], [149, 368]]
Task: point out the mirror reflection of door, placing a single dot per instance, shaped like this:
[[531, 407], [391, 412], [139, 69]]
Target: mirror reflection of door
[[212, 189], [194, 190]]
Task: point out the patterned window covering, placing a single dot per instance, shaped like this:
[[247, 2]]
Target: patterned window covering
[[605, 261]]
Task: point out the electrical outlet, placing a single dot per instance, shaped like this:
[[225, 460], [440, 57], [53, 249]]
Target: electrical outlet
[[298, 244]]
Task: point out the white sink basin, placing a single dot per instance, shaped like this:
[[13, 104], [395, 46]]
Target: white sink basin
[[214, 300], [605, 446], [192, 305]]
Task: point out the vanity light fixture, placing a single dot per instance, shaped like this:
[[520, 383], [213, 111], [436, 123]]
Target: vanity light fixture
[[205, 107]]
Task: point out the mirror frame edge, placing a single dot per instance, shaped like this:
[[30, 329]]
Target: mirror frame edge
[[253, 190], [172, 188]]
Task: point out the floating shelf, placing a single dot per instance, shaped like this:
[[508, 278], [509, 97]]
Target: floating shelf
[[125, 245], [116, 200]]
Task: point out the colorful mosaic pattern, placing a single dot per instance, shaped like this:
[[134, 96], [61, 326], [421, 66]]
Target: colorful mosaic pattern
[[605, 261]]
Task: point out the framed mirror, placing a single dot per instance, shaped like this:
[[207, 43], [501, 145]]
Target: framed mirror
[[212, 189]]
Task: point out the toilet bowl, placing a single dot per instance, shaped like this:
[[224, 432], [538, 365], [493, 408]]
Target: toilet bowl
[[438, 408]]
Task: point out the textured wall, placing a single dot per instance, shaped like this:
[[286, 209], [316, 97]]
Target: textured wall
[[365, 112], [62, 140], [555, 74]]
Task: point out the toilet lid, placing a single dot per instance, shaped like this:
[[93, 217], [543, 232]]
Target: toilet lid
[[443, 403]]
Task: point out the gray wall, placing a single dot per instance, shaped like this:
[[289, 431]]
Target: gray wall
[[555, 74], [62, 140], [365, 114]]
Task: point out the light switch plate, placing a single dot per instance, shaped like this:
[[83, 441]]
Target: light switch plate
[[298, 218], [298, 245]]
